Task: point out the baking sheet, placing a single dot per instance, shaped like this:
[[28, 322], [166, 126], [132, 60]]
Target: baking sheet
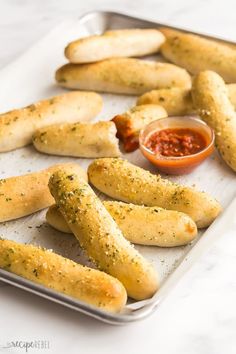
[[31, 78]]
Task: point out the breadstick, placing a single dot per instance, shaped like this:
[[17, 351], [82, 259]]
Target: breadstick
[[129, 123], [55, 218], [117, 43], [24, 195], [122, 75], [150, 226], [18, 126], [121, 180], [195, 53], [214, 107], [178, 101], [78, 139], [99, 235], [61, 274]]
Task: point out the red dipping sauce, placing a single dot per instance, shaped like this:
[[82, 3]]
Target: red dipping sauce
[[177, 145], [176, 142]]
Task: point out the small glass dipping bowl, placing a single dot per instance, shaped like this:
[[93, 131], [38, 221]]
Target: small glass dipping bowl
[[183, 164]]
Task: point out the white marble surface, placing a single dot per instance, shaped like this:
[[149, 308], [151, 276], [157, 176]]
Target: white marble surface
[[199, 316]]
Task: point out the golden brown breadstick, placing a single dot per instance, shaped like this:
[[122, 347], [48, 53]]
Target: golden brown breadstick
[[121, 180], [122, 75], [78, 139], [214, 107], [99, 235], [55, 218], [175, 100], [61, 274], [24, 195], [116, 43], [130, 123], [178, 101], [195, 53], [18, 126], [150, 226]]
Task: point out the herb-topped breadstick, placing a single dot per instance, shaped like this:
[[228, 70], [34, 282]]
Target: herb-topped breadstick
[[141, 225], [122, 75], [196, 53], [78, 139], [116, 43], [61, 274], [178, 101], [214, 107], [24, 195], [121, 180], [17, 126], [99, 235]]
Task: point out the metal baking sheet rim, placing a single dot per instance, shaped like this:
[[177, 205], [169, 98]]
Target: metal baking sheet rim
[[141, 309], [83, 19]]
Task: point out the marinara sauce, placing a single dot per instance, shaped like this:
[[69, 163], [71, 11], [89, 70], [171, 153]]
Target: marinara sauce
[[176, 142]]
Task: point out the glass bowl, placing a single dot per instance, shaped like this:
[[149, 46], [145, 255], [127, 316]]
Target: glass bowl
[[183, 164]]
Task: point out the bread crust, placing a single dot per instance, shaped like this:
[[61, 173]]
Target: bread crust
[[18, 126], [99, 235], [129, 183], [123, 76], [195, 54], [214, 107], [78, 139], [150, 226], [26, 194], [42, 266], [178, 101], [117, 43]]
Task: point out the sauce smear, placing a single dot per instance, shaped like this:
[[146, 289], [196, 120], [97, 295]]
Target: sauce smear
[[176, 142]]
